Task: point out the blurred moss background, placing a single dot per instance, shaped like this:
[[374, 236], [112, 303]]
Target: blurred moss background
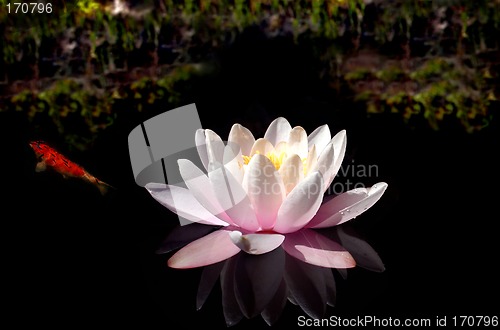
[[433, 63]]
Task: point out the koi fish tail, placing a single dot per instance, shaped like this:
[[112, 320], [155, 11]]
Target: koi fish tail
[[103, 187]]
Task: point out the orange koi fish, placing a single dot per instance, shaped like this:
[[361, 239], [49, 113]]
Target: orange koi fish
[[48, 157]]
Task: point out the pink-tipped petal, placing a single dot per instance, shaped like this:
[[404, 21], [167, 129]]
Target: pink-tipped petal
[[278, 131], [291, 172], [297, 142], [320, 137], [215, 146], [210, 249], [180, 201], [265, 189], [347, 206], [241, 136], [300, 205], [313, 248], [233, 198], [200, 187], [256, 243], [201, 146], [262, 147]]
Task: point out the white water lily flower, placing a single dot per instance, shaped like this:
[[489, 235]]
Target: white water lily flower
[[265, 193]]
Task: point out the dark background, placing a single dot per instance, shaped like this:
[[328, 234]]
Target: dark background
[[73, 257]]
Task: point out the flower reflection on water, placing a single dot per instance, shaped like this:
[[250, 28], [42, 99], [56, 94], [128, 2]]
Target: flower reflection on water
[[262, 284]]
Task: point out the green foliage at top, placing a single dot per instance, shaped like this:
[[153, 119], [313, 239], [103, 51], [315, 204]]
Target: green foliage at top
[[437, 89], [77, 61]]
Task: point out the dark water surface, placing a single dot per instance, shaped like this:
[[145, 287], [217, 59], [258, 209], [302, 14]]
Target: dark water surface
[[73, 257]]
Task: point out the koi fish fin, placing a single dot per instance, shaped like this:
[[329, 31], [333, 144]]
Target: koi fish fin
[[40, 166]]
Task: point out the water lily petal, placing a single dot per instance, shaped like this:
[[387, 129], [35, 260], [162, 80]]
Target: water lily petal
[[265, 189], [300, 205], [312, 159], [297, 142], [347, 206], [215, 146], [242, 137], [278, 131], [233, 198], [200, 187], [262, 147], [281, 147], [325, 164], [320, 137], [339, 142], [256, 243], [214, 247], [233, 161], [201, 146], [291, 172], [311, 247], [182, 202]]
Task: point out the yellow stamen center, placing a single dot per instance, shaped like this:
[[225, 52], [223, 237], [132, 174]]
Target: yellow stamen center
[[276, 158]]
